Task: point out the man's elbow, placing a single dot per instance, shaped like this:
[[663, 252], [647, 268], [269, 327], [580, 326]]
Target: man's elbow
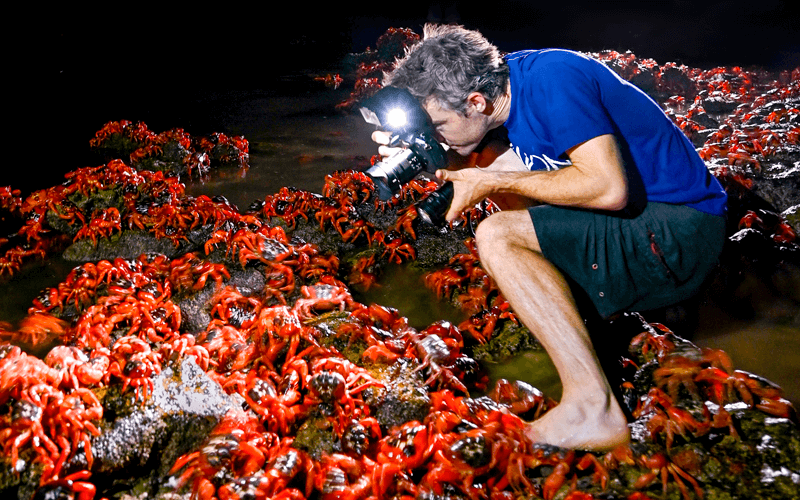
[[615, 197]]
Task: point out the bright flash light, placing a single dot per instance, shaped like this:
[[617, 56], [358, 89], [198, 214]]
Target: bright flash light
[[396, 118]]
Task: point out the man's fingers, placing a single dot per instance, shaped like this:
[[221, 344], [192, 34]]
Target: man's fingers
[[384, 138], [444, 175], [385, 151], [381, 137]]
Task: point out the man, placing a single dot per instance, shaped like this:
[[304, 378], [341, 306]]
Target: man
[[627, 213]]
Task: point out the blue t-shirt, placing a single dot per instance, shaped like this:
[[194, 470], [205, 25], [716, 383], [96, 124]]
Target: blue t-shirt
[[560, 99]]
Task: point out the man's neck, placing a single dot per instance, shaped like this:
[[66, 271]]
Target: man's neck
[[502, 107]]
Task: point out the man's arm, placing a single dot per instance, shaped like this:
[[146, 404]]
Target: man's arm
[[596, 180]]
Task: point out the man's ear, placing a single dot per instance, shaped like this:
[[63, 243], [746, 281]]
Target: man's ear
[[478, 102]]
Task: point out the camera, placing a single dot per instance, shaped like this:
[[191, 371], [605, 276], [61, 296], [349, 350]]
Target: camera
[[397, 111]]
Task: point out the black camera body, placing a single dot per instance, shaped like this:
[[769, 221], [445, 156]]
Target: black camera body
[[397, 111]]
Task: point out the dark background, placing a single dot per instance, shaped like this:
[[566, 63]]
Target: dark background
[[71, 70]]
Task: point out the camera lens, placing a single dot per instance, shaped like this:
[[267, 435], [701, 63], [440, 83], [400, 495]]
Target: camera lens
[[390, 175], [434, 208]]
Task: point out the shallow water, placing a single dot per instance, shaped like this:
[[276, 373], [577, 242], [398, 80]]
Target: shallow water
[[297, 137]]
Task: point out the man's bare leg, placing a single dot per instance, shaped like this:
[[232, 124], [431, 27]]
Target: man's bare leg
[[588, 416]]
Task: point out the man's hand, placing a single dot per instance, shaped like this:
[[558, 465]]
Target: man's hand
[[468, 189], [383, 139]]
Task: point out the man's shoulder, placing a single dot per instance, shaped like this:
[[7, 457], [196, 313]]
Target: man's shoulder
[[560, 64], [546, 56]]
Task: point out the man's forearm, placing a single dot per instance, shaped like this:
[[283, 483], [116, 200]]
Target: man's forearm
[[596, 179]]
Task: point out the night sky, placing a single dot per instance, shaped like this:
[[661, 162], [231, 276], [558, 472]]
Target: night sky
[[196, 43], [72, 70]]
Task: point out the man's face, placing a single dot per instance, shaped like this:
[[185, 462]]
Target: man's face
[[461, 133]]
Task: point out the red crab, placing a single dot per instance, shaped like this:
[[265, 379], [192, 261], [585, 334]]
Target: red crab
[[482, 325], [191, 272], [405, 445], [439, 347], [344, 478], [278, 331], [236, 309], [75, 485], [25, 425], [356, 228], [103, 223], [444, 281], [521, 398], [338, 382], [671, 419], [396, 249], [238, 446], [327, 294], [72, 418], [134, 363], [75, 368], [405, 222], [658, 466], [185, 345]]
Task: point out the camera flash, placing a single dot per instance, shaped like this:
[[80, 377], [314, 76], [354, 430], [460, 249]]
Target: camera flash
[[396, 118]]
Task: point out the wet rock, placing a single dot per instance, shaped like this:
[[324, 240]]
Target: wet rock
[[195, 308], [436, 246], [183, 408], [767, 455], [792, 216], [778, 183], [130, 244], [507, 341], [171, 161], [716, 103], [317, 438], [405, 397]]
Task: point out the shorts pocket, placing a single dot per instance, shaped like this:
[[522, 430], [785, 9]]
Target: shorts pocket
[[673, 260]]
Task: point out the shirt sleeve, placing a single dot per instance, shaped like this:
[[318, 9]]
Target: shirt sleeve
[[569, 101]]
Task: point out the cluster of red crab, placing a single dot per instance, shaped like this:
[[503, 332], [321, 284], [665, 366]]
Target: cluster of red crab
[[336, 210], [693, 394], [465, 283], [373, 63], [266, 348], [701, 375], [267, 354], [118, 324], [762, 125], [193, 156], [143, 200]]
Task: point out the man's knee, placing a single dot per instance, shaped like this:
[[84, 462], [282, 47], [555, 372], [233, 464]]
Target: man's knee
[[508, 227]]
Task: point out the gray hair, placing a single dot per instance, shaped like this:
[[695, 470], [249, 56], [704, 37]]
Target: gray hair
[[450, 63]]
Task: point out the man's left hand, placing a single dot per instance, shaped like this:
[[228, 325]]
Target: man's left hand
[[468, 189]]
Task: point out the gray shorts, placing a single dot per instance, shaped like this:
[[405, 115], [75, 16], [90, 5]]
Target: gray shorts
[[654, 260]]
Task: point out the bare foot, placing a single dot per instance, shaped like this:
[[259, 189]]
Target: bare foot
[[581, 426]]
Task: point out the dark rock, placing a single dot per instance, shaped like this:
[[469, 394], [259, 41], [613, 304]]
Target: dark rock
[[404, 398], [127, 245], [779, 183], [436, 246]]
